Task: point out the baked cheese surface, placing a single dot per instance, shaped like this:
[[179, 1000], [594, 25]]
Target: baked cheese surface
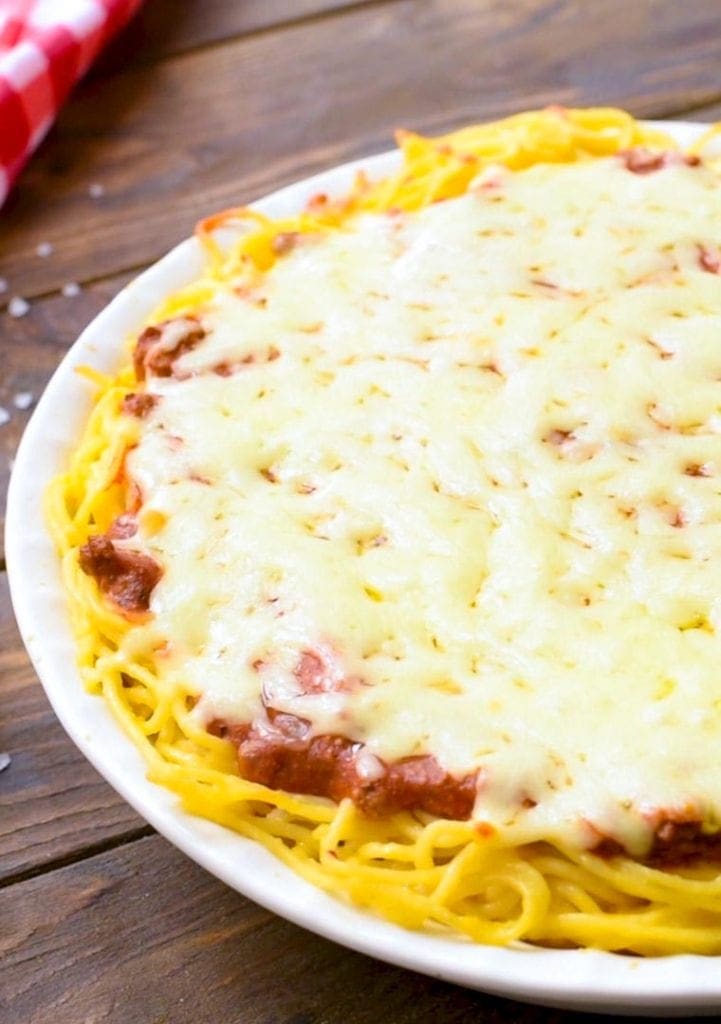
[[450, 482]]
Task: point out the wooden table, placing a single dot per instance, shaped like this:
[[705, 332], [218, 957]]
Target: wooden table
[[203, 104]]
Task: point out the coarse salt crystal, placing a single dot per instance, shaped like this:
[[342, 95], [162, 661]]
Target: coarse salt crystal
[[23, 400], [71, 289], [96, 190], [3, 286], [17, 306], [4, 416], [45, 249]]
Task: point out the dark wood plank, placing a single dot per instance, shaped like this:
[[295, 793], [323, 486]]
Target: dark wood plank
[[140, 935], [164, 28], [221, 125], [53, 804]]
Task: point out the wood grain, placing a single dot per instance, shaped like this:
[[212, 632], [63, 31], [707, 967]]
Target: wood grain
[[224, 124], [141, 935], [53, 804], [165, 28]]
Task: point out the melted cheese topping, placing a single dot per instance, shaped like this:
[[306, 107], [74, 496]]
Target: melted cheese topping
[[471, 458]]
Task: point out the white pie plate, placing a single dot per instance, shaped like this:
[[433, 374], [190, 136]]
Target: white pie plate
[[583, 979]]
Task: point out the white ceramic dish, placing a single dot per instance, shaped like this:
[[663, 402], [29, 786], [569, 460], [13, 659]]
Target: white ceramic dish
[[583, 979]]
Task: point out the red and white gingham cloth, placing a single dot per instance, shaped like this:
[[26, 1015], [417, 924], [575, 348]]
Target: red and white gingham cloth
[[45, 47]]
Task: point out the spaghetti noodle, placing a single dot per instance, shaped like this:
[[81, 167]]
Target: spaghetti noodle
[[409, 866]]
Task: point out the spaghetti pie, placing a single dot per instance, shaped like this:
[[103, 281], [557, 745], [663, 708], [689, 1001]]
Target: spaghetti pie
[[396, 542]]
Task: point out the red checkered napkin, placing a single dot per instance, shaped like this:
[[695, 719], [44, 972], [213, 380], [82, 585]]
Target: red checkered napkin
[[45, 47]]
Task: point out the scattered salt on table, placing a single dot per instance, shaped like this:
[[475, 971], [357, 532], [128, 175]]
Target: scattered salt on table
[[4, 416], [45, 249], [17, 306], [71, 289], [23, 400], [96, 190]]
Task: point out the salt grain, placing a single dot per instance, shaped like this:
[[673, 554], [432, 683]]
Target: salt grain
[[4, 761], [4, 416], [18, 306], [3, 286], [45, 249], [96, 190], [23, 400], [71, 289]]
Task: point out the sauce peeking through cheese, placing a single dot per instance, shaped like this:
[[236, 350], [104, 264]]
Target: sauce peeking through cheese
[[280, 751]]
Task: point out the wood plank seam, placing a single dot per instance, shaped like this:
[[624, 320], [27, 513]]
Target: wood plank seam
[[263, 30], [131, 268], [76, 856]]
